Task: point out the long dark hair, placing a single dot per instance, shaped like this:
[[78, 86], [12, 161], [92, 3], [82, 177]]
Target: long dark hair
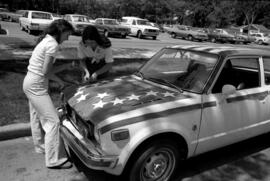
[[56, 28], [91, 33]]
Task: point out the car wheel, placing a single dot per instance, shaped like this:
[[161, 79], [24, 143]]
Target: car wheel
[[21, 27], [173, 35], [139, 35], [154, 37], [156, 162], [106, 33], [213, 40], [190, 38], [29, 31], [260, 42], [124, 36]]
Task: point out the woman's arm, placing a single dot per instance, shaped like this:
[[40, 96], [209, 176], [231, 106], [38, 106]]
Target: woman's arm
[[48, 70]]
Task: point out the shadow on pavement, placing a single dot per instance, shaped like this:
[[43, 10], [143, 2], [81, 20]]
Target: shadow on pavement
[[241, 161], [235, 162]]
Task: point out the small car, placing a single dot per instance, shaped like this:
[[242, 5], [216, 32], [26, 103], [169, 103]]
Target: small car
[[78, 21], [187, 32], [35, 21], [185, 101], [140, 27], [261, 38], [221, 35], [110, 27]]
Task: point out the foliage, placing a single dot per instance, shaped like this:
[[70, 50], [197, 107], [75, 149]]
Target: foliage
[[199, 13]]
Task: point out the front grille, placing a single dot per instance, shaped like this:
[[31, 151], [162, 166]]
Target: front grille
[[151, 30]]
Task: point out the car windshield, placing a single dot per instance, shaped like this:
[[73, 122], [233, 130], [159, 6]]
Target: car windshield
[[81, 19], [38, 15], [143, 22], [187, 70], [110, 22]]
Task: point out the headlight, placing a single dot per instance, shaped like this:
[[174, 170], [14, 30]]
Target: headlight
[[96, 134]]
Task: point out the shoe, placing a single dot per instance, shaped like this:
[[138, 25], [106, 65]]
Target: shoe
[[66, 165]]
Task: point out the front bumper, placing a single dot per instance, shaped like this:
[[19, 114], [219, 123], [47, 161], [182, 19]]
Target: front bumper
[[87, 152]]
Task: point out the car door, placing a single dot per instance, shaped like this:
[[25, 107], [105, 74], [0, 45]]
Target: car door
[[235, 116]]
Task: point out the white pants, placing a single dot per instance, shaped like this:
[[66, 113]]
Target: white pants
[[44, 120]]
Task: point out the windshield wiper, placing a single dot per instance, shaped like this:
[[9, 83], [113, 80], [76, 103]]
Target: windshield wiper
[[166, 83], [140, 74]]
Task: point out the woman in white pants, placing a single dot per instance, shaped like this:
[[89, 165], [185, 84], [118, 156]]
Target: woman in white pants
[[43, 115]]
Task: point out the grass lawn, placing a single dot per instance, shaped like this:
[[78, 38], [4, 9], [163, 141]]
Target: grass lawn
[[14, 104]]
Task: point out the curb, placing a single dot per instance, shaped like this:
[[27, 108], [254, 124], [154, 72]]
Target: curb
[[13, 131]]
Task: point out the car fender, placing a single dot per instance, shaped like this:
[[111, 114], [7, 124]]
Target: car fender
[[147, 132]]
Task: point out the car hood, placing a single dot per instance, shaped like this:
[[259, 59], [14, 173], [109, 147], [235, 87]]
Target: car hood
[[97, 102]]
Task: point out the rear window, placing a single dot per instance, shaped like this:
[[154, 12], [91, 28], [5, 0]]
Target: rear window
[[38, 15]]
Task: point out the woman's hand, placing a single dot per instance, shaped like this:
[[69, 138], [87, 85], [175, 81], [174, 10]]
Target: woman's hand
[[86, 77], [94, 76]]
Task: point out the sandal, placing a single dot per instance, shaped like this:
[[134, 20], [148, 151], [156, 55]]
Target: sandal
[[66, 165]]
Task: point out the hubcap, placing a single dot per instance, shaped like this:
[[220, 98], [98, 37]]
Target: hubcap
[[158, 166]]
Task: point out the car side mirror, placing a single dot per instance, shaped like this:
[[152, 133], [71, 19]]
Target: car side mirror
[[228, 89]]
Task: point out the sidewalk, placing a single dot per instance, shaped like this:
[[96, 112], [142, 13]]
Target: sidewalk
[[13, 48]]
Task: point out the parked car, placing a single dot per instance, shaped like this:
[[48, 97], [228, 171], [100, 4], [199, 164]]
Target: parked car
[[110, 27], [245, 38], [3, 12], [57, 16], [187, 32], [12, 16], [78, 21], [32, 21], [140, 27], [220, 35], [185, 101], [261, 38]]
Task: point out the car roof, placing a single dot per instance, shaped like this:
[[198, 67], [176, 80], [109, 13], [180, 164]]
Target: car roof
[[38, 11], [224, 50], [132, 17], [106, 18], [75, 15]]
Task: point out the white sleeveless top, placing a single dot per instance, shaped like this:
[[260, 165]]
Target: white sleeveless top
[[47, 47]]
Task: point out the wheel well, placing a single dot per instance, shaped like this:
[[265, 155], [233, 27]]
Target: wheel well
[[179, 141]]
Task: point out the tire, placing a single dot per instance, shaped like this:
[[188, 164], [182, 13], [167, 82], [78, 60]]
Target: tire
[[213, 40], [139, 35], [190, 38], [29, 31], [154, 37], [124, 36], [173, 35], [157, 161], [260, 42], [21, 27], [106, 33]]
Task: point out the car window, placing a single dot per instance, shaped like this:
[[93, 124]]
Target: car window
[[188, 70], [243, 73], [266, 67], [110, 22], [80, 19], [133, 22], [38, 15]]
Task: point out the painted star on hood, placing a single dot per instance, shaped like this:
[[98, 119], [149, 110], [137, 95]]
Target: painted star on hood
[[101, 96], [151, 93], [133, 97], [117, 101], [82, 98], [168, 94], [100, 104]]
